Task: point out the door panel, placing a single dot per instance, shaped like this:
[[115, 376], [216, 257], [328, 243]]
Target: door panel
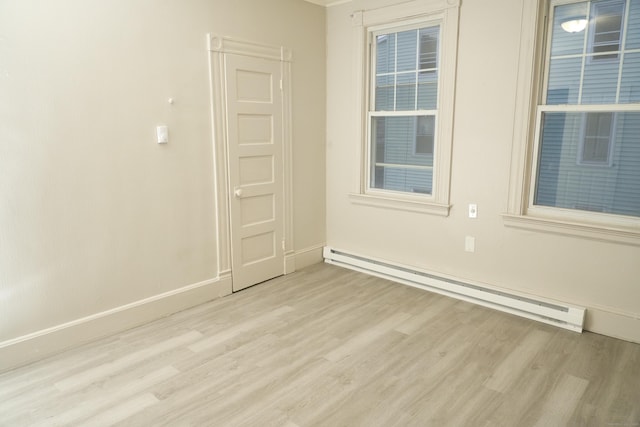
[[256, 169], [254, 126], [257, 209], [254, 129]]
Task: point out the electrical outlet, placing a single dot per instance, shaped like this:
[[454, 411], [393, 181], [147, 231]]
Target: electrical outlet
[[470, 244]]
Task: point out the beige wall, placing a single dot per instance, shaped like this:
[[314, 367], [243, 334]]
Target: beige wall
[[603, 277], [94, 214]]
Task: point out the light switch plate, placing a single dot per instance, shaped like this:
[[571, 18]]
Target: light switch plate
[[163, 134]]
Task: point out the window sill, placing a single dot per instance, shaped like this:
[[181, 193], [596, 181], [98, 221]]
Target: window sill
[[589, 231], [423, 207]]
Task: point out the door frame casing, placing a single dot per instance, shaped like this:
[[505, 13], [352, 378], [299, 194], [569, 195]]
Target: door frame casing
[[218, 47]]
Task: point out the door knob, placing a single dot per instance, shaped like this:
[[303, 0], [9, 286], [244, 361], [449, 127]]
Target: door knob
[[238, 192]]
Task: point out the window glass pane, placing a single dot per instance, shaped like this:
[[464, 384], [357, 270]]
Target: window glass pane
[[597, 139], [633, 27], [565, 42], [600, 81], [385, 92], [626, 160], [402, 179], [610, 187], [630, 86], [559, 146], [429, 48], [425, 134], [406, 92], [386, 53], [395, 139], [564, 81], [407, 50], [606, 28], [402, 59], [427, 90], [402, 157]]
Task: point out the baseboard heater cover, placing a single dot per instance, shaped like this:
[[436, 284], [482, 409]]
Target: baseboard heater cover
[[552, 313]]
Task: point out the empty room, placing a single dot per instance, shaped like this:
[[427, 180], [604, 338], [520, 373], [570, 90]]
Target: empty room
[[320, 212]]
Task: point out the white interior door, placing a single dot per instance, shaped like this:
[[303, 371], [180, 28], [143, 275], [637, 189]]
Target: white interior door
[[256, 174]]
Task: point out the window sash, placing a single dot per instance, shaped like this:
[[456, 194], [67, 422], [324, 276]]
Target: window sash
[[419, 113], [546, 210], [374, 164], [587, 53]]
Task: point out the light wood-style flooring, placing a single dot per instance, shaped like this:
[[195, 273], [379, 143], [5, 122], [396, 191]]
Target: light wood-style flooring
[[331, 347]]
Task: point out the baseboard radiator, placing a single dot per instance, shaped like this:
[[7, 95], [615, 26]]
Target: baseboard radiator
[[550, 312]]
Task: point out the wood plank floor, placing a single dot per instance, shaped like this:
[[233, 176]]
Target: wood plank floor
[[331, 347]]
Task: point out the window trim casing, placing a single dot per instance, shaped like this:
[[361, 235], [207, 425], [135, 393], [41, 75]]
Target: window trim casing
[[520, 213], [446, 14]]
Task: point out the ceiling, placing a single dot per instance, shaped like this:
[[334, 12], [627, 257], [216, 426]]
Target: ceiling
[[328, 3]]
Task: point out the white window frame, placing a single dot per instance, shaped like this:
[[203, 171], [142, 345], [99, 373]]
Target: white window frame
[[373, 33], [521, 213], [444, 13]]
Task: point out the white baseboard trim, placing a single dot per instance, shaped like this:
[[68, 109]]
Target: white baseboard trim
[[289, 262], [624, 326], [303, 258], [46, 342]]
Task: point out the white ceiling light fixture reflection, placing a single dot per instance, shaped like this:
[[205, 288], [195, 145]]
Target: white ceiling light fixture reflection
[[574, 25]]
